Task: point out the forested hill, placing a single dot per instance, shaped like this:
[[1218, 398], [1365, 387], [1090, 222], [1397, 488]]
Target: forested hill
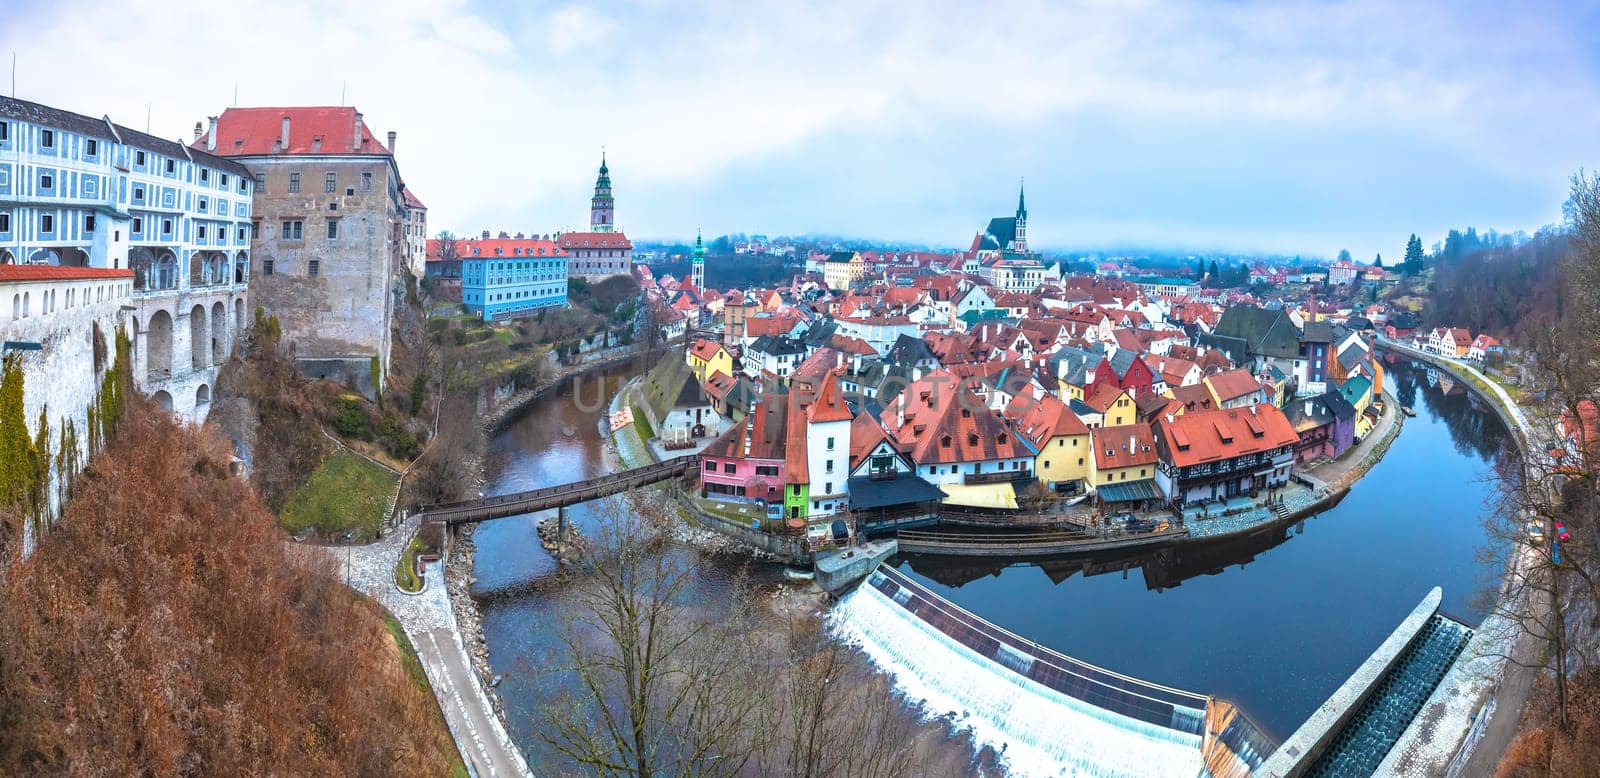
[[1494, 284]]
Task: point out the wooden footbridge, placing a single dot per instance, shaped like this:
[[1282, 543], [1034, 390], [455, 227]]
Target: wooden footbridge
[[517, 503]]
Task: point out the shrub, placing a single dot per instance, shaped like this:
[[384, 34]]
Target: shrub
[[350, 418]]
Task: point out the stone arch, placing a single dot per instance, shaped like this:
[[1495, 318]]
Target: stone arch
[[45, 257], [6, 257], [241, 268], [198, 352], [163, 400], [74, 257], [166, 271], [238, 315], [197, 269], [202, 398], [219, 333], [158, 347]]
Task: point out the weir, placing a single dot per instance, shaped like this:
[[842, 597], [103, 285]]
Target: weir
[[1043, 712]]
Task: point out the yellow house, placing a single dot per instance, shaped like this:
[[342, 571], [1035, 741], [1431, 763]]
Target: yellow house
[[843, 268], [1114, 405], [1057, 434], [1122, 454], [708, 357]]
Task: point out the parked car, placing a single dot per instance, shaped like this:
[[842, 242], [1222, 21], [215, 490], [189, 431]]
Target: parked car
[[1536, 532], [1561, 532]]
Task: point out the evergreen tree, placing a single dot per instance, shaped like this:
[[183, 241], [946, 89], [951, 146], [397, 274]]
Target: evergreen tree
[[1344, 255], [1377, 262], [1199, 269], [1216, 275], [1413, 261]]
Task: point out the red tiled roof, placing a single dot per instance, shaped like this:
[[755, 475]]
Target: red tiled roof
[[796, 468], [1194, 397], [1102, 395], [1209, 436], [829, 405], [945, 422], [484, 248], [1039, 417], [412, 201], [865, 435], [1129, 445], [594, 240], [705, 349], [327, 130], [1233, 383], [27, 273]]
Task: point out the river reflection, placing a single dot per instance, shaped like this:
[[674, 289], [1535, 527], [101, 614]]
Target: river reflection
[[1275, 621]]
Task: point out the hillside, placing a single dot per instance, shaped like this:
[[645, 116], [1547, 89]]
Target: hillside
[[164, 627]]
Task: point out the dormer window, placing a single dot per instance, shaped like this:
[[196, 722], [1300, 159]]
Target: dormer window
[[945, 441]]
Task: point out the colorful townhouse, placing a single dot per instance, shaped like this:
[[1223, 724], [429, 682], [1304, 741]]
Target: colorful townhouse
[[1057, 434], [826, 424], [707, 358], [957, 443], [1325, 425], [1236, 388], [1124, 467], [748, 461], [1223, 453], [1125, 369]]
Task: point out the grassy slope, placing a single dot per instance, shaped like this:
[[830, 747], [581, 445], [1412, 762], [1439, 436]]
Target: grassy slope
[[347, 492]]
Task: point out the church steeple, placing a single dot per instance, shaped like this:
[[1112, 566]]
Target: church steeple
[[1022, 219], [698, 264], [602, 209]]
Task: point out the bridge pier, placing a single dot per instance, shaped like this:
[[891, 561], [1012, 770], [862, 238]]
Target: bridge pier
[[561, 525]]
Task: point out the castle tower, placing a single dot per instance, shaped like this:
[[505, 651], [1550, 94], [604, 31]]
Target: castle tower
[[602, 209], [1021, 243], [699, 264]]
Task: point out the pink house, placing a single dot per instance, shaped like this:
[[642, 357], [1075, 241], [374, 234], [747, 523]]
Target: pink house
[[747, 461]]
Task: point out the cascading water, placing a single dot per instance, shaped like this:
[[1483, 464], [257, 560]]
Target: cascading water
[[1037, 730]]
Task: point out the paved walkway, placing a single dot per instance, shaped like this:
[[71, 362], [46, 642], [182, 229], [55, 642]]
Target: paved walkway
[[431, 624], [1470, 720]]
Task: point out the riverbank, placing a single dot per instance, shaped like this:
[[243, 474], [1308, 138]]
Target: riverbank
[[1472, 717]]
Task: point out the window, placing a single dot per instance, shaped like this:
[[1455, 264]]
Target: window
[[47, 138], [294, 182], [5, 222], [166, 226], [138, 158], [366, 182], [138, 225], [47, 181], [330, 182], [261, 182], [88, 223], [91, 147], [830, 446], [172, 167], [200, 232], [240, 233], [312, 267], [349, 191], [829, 467], [255, 230], [292, 230], [205, 176], [222, 180], [5, 131], [711, 467], [203, 205], [730, 467], [138, 193], [47, 223], [266, 267], [333, 229]]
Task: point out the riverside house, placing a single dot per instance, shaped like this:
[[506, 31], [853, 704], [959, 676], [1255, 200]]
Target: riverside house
[[957, 443], [1223, 453]]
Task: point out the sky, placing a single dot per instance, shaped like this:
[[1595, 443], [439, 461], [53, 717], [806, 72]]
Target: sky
[[1297, 127]]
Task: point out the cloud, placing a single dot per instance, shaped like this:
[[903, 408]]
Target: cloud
[[720, 111]]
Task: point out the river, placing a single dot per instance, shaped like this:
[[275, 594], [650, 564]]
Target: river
[[1282, 624]]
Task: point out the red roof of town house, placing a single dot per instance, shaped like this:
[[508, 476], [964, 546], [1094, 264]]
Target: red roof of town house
[[1485, 341], [1128, 445], [1040, 416], [829, 405], [1461, 334], [705, 349], [594, 240], [1198, 437], [1233, 384], [412, 201], [1102, 395], [1172, 370], [811, 371], [1194, 397], [939, 420], [323, 131], [865, 435], [849, 345], [497, 248], [35, 273], [719, 384], [796, 469], [763, 427]]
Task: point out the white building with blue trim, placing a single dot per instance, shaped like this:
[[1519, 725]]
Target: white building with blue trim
[[76, 191]]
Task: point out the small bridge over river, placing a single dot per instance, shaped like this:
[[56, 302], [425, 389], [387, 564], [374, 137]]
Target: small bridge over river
[[564, 495]]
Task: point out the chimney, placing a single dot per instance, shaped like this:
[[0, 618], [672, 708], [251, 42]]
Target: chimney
[[197, 131], [503, 235], [519, 236], [211, 137], [283, 140], [355, 142], [391, 141], [485, 234]]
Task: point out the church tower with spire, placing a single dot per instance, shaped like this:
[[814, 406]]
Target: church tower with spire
[[698, 265], [602, 209], [1022, 221]]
